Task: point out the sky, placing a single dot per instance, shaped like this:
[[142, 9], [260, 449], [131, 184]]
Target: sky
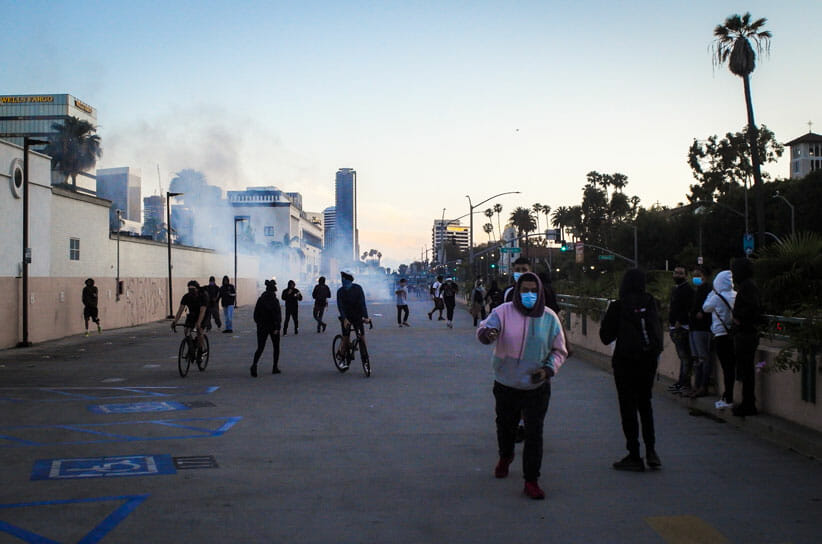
[[428, 101]]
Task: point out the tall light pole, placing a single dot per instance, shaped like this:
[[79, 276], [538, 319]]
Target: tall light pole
[[236, 220], [27, 142], [471, 224], [793, 221], [119, 225], [168, 238]]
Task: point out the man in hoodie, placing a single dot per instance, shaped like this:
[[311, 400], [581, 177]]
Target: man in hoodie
[[700, 333], [720, 302], [90, 305], [267, 316], [747, 317], [320, 294], [213, 292], [530, 349], [678, 327], [292, 298], [228, 297]]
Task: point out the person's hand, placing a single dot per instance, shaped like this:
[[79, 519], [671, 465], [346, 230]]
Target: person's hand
[[539, 376], [493, 334], [366, 320], [346, 322]]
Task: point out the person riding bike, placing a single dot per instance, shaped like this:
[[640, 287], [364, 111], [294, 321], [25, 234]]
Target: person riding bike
[[197, 303], [351, 305]]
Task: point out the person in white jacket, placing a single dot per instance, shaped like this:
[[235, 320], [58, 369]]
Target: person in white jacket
[[720, 302]]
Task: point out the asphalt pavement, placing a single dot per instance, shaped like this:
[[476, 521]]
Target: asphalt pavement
[[102, 441]]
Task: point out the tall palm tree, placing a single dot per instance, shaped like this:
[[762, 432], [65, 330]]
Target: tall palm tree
[[561, 219], [546, 209], [537, 209], [524, 222], [498, 210], [488, 228], [489, 213], [733, 46], [74, 148]]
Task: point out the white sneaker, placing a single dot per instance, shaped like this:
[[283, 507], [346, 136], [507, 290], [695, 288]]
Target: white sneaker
[[721, 405]]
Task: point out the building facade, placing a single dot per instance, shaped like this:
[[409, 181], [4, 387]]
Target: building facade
[[123, 186], [154, 226], [806, 154], [448, 232], [346, 243], [329, 221]]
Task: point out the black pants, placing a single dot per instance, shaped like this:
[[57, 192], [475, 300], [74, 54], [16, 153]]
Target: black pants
[[450, 302], [482, 315], [262, 337], [745, 344], [290, 313], [634, 380], [725, 353], [214, 311], [319, 310], [531, 405], [402, 313]]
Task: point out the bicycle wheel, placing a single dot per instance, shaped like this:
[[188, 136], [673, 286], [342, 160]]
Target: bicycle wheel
[[366, 362], [202, 362], [183, 357], [339, 361]]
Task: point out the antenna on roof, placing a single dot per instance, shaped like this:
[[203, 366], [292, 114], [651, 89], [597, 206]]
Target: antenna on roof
[[810, 126]]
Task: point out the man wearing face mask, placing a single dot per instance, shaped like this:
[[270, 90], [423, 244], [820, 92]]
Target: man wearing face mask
[[530, 349], [678, 327], [700, 333], [351, 305], [518, 268]]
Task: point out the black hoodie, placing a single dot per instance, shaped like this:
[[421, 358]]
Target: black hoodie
[[267, 312]]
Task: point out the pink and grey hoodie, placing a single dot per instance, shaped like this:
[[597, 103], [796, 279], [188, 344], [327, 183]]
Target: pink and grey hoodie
[[528, 339]]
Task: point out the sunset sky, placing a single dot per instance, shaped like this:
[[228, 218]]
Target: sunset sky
[[428, 101]]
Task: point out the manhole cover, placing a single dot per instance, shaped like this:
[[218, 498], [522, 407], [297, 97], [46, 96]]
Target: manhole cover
[[195, 461]]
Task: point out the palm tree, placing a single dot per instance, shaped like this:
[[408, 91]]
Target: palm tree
[[488, 228], [498, 210], [74, 148], [561, 219], [524, 222], [546, 209], [537, 209], [733, 46], [489, 213]]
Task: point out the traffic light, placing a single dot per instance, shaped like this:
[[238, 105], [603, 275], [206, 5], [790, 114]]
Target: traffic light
[[563, 245], [493, 265]]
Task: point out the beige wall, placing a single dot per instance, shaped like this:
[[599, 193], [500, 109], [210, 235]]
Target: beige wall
[[779, 394]]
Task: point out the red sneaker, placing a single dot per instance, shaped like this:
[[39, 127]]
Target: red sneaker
[[501, 470], [533, 490]]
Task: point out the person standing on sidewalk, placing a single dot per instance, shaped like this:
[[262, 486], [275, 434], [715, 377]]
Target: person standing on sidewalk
[[292, 297], [494, 296], [700, 334], [267, 316], [228, 298], [678, 327], [90, 311], [720, 303], [478, 302], [402, 304], [213, 292], [633, 321], [530, 350], [747, 317], [449, 292], [436, 296], [320, 294]]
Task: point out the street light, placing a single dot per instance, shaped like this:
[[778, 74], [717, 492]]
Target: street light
[[168, 238], [471, 227], [793, 222], [119, 226], [236, 220], [27, 142]]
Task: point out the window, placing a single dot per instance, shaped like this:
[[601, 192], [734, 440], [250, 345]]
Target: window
[[74, 249], [269, 231], [796, 167]]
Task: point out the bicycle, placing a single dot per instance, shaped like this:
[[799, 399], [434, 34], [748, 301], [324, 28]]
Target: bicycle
[[190, 352], [343, 360]]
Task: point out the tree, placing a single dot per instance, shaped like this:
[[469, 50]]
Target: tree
[[488, 228], [524, 222], [498, 210], [732, 46], [537, 209], [74, 148], [402, 269], [561, 219], [489, 213]]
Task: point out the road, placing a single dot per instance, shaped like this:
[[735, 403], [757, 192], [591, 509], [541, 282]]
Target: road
[[94, 429]]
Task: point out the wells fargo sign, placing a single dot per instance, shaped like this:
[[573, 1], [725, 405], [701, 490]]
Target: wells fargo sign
[[82, 106], [26, 99]]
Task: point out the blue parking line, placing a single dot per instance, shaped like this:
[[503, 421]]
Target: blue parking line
[[66, 394]]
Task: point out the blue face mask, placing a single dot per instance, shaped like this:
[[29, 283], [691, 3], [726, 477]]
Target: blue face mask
[[517, 276], [697, 281], [528, 299], [347, 283]]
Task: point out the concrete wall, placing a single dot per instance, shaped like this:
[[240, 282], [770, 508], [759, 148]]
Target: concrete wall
[[778, 393]]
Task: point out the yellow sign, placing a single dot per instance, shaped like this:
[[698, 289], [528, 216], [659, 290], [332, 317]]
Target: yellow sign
[[25, 99], [454, 228], [82, 106]]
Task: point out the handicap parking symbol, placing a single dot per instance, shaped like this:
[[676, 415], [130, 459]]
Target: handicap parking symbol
[[102, 467], [137, 407]]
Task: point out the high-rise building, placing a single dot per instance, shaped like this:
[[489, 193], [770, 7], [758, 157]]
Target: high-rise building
[[346, 246], [155, 217], [123, 187], [35, 115], [329, 221], [454, 233]]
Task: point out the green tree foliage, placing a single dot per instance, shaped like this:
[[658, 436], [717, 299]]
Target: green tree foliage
[[74, 148], [524, 222]]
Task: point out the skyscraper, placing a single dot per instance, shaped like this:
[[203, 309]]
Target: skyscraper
[[122, 186], [155, 217], [345, 228], [329, 221]]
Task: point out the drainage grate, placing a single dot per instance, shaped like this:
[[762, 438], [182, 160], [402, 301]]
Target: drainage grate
[[195, 461], [198, 404]]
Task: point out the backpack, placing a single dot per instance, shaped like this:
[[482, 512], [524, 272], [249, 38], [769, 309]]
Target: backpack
[[639, 329]]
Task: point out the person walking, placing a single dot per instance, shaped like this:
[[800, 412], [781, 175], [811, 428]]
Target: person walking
[[494, 296], [678, 327], [633, 321], [228, 298], [267, 316], [530, 350], [292, 297], [478, 301], [720, 302], [402, 303], [449, 292], [700, 334], [747, 317], [436, 296], [90, 311], [320, 294], [213, 292]]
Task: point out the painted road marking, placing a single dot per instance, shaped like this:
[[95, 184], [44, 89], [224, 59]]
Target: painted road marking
[[101, 467], [62, 394], [685, 530], [122, 431], [137, 407], [131, 502]]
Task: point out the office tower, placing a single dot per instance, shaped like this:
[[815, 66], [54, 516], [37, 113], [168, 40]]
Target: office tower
[[345, 225], [123, 187]]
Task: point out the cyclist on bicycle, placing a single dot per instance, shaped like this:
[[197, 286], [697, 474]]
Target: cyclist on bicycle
[[197, 303], [351, 305]]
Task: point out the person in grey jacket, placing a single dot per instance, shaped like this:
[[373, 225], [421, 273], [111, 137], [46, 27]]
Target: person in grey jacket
[[720, 303]]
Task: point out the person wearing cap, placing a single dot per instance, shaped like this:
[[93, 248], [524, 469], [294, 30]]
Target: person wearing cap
[[196, 301], [351, 305], [90, 310], [320, 294], [267, 316], [530, 348]]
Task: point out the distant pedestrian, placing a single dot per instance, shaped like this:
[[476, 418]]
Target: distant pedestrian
[[228, 298], [436, 296], [494, 297], [320, 294], [633, 321], [478, 301], [90, 311], [267, 316], [213, 292], [449, 292], [700, 334], [523, 367], [519, 267], [747, 318], [292, 297], [720, 303], [679, 329], [402, 303]]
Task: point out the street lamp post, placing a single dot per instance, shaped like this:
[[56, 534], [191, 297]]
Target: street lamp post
[[471, 207], [793, 219], [119, 225], [236, 220], [27, 142], [168, 239]]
